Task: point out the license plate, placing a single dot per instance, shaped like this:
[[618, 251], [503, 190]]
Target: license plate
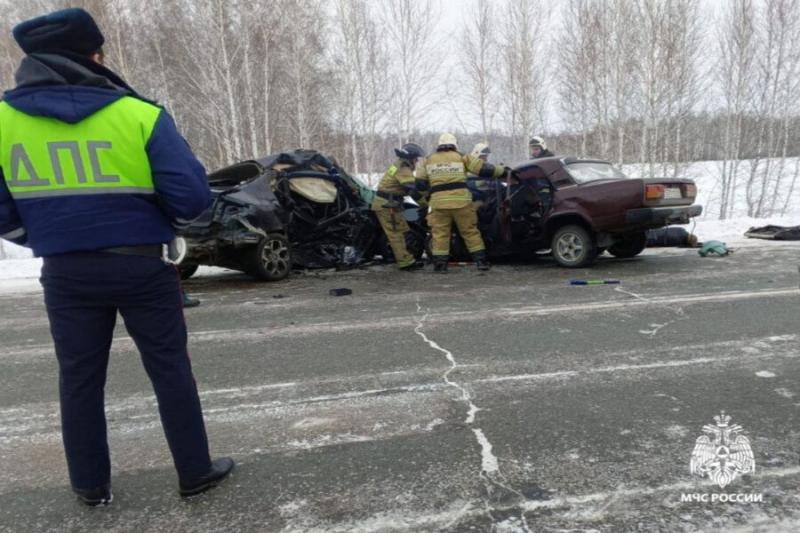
[[672, 193]]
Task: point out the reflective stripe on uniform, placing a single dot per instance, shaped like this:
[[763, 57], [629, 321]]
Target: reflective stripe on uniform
[[82, 192], [446, 168], [14, 234]]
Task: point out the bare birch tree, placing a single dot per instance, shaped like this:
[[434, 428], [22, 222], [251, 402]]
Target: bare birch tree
[[480, 59], [737, 41], [417, 68], [525, 69]]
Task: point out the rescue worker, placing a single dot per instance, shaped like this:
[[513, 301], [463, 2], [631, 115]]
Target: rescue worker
[[94, 178], [538, 148], [444, 173], [480, 151], [480, 188], [397, 183]]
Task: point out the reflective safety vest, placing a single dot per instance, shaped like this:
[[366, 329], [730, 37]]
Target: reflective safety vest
[[105, 153]]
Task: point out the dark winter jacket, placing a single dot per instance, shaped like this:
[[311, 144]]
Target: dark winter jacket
[[77, 210], [544, 153]]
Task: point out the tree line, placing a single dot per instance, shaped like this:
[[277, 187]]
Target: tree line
[[660, 83]]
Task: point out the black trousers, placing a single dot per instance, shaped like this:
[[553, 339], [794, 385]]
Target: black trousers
[[83, 293]]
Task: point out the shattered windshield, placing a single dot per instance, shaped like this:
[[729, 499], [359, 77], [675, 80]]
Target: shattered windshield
[[584, 172]]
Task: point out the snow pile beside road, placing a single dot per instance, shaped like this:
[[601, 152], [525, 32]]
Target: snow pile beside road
[[732, 231], [22, 275], [12, 251]]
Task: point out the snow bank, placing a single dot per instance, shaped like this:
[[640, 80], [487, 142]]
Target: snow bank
[[706, 175], [12, 251], [20, 275]]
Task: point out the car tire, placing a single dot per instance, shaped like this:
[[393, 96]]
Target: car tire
[[630, 245], [573, 247], [271, 259], [187, 271]]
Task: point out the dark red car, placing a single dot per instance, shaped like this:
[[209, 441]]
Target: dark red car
[[578, 209]]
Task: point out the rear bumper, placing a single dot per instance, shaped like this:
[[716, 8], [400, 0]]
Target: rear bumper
[[662, 216]]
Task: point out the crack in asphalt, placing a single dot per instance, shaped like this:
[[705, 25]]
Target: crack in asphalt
[[490, 468]]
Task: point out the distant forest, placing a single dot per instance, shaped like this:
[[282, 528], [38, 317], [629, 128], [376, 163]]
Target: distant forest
[[656, 82]]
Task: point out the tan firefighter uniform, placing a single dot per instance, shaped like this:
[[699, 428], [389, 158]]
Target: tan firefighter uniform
[[388, 207], [450, 200]]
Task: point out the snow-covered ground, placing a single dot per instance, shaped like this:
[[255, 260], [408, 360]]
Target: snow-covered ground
[[706, 175]]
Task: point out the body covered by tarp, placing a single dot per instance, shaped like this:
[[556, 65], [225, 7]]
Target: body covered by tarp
[[775, 233]]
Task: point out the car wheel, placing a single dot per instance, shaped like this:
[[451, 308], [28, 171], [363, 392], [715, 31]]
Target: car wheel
[[187, 271], [271, 259], [630, 245], [573, 247]]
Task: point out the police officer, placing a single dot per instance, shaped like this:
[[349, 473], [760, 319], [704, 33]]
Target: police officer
[[93, 179], [397, 183], [538, 148], [445, 174]]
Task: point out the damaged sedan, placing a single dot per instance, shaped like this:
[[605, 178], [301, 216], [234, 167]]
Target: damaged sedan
[[290, 210], [577, 208]]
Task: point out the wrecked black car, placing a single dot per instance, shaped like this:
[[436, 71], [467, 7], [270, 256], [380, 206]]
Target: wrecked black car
[[289, 210]]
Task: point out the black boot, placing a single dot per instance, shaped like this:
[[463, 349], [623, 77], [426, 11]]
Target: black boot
[[95, 497], [188, 301], [440, 263], [416, 265], [480, 260], [220, 469]]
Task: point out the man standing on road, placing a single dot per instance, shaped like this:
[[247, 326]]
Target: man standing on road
[[93, 178], [445, 172], [538, 148], [396, 184]]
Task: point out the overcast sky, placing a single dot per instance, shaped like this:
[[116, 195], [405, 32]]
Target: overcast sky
[[453, 113]]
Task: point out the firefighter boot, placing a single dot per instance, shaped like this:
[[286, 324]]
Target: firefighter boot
[[480, 260], [416, 265], [440, 263]]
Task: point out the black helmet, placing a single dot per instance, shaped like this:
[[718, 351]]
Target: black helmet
[[410, 151]]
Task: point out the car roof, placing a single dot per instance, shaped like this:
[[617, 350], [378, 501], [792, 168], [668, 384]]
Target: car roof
[[550, 164]]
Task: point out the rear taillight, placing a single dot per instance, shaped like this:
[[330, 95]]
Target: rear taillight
[[690, 191], [653, 192]]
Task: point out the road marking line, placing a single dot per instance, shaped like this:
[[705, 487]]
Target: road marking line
[[404, 322], [23, 417]]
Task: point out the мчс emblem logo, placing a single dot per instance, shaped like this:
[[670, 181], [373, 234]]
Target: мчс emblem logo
[[722, 453]]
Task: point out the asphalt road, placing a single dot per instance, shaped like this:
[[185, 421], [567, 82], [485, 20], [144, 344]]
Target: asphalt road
[[506, 401]]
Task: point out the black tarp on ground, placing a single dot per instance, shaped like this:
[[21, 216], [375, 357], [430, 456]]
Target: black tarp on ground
[[775, 233]]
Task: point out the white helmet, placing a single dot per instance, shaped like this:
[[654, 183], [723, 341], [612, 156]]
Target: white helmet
[[448, 139], [481, 150], [537, 141]]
